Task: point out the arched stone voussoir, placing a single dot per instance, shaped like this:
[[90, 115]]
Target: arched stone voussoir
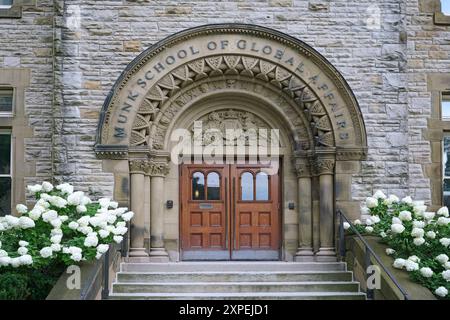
[[137, 107]]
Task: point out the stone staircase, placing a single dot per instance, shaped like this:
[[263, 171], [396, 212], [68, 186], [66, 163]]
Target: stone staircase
[[235, 281]]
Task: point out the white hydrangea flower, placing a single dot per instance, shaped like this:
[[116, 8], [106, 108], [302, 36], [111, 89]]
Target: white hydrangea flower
[[417, 233], [113, 204], [47, 186], [371, 202], [419, 210], [119, 231], [81, 209], [35, 189], [441, 292], [102, 248], [91, 241], [118, 239], [23, 243], [346, 225], [399, 263], [5, 261], [379, 195], [22, 209], [431, 234], [73, 225], [12, 221], [390, 251], [26, 260], [442, 258], [414, 259], [3, 253], [128, 216], [419, 224], [443, 212], [445, 242], [22, 251], [56, 232], [56, 223], [56, 239], [442, 221], [429, 215], [56, 247], [446, 275], [405, 215], [85, 201], [84, 221], [383, 234], [419, 241], [15, 262], [447, 265], [397, 228], [46, 252], [104, 202], [36, 213], [49, 215], [124, 224], [357, 222], [391, 199], [411, 266], [368, 229], [65, 188], [85, 230], [396, 220], [426, 272], [369, 222], [75, 198], [375, 219], [407, 200], [42, 203], [58, 202], [103, 233], [76, 257], [26, 223]]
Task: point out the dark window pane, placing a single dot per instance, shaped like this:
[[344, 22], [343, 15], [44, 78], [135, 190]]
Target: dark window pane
[[247, 186], [198, 186], [5, 154], [262, 186], [5, 196], [213, 181], [6, 100]]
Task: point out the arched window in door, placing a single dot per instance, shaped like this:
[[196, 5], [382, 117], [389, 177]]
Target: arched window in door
[[262, 186], [247, 187], [198, 186], [213, 186]]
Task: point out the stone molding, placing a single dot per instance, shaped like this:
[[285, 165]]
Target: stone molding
[[139, 166], [229, 67]]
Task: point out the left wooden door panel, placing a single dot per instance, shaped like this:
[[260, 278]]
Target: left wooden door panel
[[204, 219]]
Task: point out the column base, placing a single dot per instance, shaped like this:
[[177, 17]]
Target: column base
[[138, 255], [304, 255], [326, 255], [159, 255]]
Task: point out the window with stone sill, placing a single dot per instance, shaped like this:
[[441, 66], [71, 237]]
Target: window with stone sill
[[445, 7], [5, 171], [6, 4], [442, 17]]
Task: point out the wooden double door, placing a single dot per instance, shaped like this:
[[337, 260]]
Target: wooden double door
[[229, 212]]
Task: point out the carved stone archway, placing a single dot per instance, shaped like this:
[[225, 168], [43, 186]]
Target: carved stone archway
[[313, 102]]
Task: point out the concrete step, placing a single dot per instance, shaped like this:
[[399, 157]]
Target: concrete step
[[232, 266], [234, 276], [233, 287], [241, 296]]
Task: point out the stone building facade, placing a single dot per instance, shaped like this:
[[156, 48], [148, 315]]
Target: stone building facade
[[64, 61]]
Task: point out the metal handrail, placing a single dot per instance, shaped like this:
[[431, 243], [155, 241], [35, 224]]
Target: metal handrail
[[368, 253]]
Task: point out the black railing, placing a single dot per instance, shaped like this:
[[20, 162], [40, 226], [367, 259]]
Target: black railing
[[368, 254]]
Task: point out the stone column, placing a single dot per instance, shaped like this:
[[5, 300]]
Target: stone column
[[305, 228], [137, 171], [325, 170], [158, 252], [147, 191]]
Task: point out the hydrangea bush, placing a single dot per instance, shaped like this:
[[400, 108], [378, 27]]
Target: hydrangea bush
[[63, 226], [418, 240]]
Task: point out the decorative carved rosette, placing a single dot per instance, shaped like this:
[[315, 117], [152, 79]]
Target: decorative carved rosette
[[138, 166]]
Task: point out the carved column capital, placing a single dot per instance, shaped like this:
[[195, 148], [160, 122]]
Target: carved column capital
[[158, 169], [324, 166], [138, 166], [302, 168]]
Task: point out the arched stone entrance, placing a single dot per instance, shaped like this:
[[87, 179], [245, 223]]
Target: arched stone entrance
[[266, 76]]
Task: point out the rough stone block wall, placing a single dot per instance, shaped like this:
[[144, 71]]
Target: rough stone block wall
[[384, 63]]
